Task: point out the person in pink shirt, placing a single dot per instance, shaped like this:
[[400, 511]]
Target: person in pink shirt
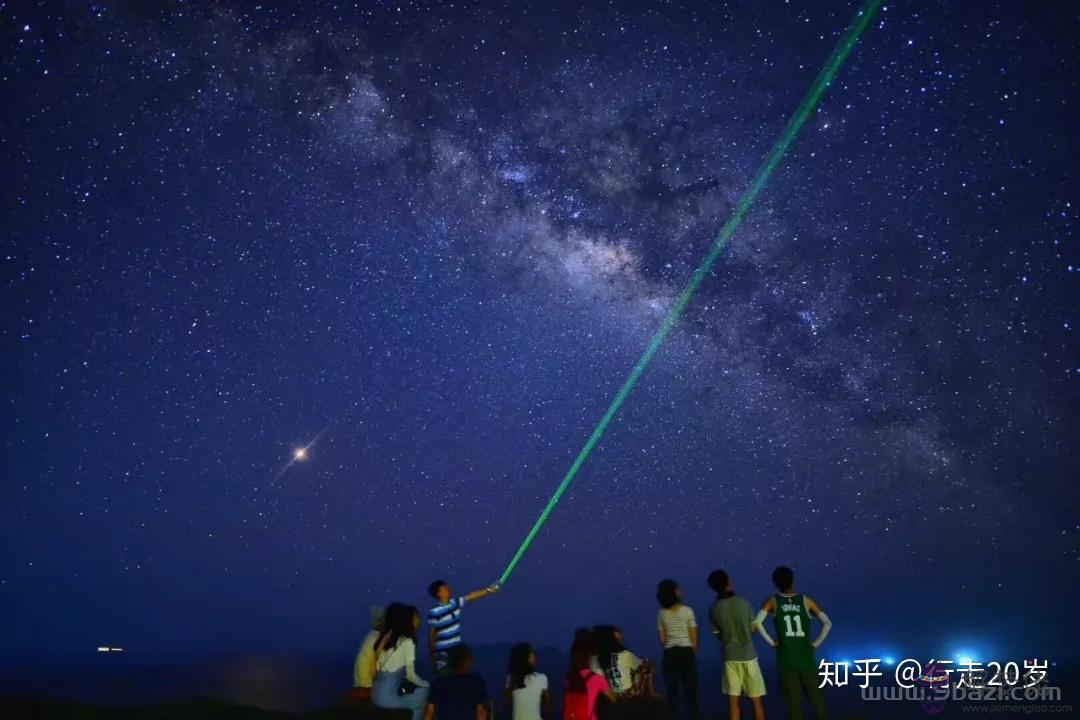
[[583, 686]]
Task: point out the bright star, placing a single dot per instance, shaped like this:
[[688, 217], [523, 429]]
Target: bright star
[[301, 453]]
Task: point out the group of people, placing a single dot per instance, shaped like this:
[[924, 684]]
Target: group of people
[[605, 679]]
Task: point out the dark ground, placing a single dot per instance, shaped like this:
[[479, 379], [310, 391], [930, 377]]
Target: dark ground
[[265, 687]]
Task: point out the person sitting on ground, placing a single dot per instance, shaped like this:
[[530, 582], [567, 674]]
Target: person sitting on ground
[[364, 667], [395, 662], [583, 686], [583, 640], [459, 694], [445, 620], [527, 693], [628, 675], [732, 622]]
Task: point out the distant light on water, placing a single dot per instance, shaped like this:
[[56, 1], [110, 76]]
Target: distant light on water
[[107, 649], [967, 655]]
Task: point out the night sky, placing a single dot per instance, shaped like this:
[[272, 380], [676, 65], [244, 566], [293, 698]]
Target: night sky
[[433, 239]]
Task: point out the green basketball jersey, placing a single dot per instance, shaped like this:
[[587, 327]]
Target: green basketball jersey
[[794, 651]]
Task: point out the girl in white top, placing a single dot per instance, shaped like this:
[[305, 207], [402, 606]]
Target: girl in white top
[[679, 636], [618, 665], [527, 691], [395, 662]]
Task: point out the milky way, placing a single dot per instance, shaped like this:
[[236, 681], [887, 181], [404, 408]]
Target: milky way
[[448, 233]]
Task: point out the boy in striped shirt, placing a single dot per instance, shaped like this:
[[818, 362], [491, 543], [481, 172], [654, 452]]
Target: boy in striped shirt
[[445, 619]]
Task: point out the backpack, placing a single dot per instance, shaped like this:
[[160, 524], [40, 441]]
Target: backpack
[[576, 702]]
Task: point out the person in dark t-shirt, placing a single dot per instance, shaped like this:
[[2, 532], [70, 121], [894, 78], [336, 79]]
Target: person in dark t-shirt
[[461, 694]]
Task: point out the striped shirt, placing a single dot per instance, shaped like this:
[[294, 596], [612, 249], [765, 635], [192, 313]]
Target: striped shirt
[[446, 619], [676, 625]]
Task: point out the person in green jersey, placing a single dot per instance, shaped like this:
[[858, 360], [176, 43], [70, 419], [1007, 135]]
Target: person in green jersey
[[794, 648]]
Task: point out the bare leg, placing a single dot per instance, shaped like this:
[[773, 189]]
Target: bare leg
[[759, 708], [733, 707]]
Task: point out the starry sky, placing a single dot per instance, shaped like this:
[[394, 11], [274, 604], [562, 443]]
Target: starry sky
[[436, 237]]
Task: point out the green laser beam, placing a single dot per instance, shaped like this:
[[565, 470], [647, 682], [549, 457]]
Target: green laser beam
[[772, 160]]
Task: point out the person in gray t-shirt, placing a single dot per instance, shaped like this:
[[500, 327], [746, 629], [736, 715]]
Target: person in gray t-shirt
[[731, 618], [732, 622]]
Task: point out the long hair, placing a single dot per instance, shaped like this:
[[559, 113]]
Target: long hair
[[400, 619], [583, 639], [520, 665], [667, 593], [607, 645], [579, 661]]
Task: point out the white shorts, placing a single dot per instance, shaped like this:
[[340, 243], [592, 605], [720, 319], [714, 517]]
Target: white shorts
[[743, 677]]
